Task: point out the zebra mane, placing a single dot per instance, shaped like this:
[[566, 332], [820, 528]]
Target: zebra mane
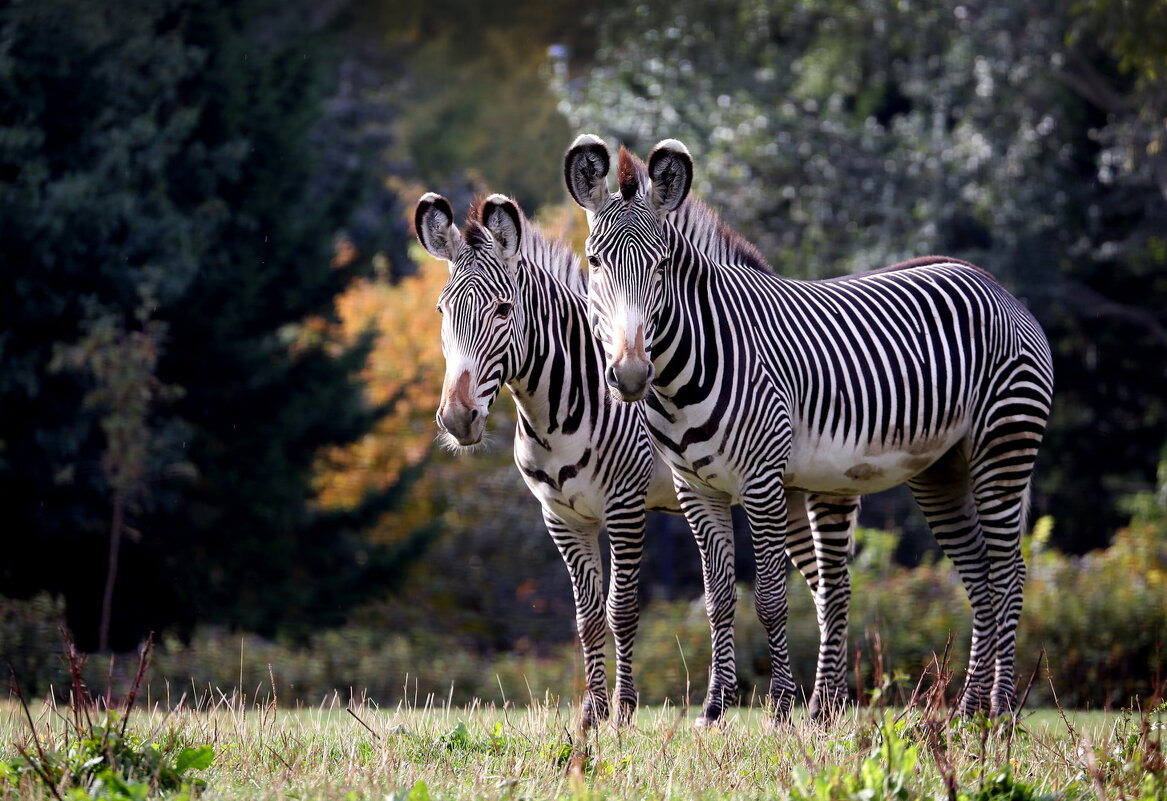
[[549, 256], [695, 221], [631, 174], [703, 227]]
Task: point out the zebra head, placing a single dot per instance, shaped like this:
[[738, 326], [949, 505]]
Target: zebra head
[[481, 321], [627, 249]]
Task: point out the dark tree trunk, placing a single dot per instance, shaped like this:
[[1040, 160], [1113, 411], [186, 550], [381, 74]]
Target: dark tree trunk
[[115, 539]]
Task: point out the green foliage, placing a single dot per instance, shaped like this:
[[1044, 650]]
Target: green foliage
[[102, 762], [418, 792], [841, 136], [162, 197], [884, 775], [1002, 786], [460, 739], [1098, 618], [479, 113]]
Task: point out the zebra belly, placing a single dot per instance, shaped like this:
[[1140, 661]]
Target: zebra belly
[[849, 468]]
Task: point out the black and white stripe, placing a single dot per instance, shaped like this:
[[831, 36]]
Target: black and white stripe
[[514, 313], [762, 388]]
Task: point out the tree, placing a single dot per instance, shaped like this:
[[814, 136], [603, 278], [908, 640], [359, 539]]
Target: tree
[[167, 146], [122, 365], [844, 136], [93, 115]]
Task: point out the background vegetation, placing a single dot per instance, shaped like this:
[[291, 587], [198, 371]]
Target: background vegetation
[[219, 361]]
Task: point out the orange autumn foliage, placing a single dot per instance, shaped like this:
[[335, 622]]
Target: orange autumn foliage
[[403, 369]]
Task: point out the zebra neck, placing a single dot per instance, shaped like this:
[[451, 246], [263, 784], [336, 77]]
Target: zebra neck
[[558, 379]]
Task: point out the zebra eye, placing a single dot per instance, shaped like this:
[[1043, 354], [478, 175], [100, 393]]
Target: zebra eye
[[438, 309], [503, 310], [594, 261], [660, 267]]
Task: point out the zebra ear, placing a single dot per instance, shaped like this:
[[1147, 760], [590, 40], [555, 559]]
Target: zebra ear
[[585, 169], [504, 220], [433, 222], [670, 168]]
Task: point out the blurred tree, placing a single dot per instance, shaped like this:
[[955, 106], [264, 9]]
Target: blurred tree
[[168, 145], [476, 107], [844, 136], [122, 366], [403, 374], [92, 116]]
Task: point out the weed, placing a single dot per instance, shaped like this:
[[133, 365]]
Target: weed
[[94, 757]]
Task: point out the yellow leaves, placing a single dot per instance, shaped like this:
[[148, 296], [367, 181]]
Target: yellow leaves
[[404, 370]]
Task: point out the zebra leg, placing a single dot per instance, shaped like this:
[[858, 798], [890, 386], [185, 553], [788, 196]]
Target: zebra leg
[[1001, 516], [1001, 489], [766, 509], [800, 541], [833, 519], [581, 553], [801, 551], [945, 498], [709, 518], [626, 542]]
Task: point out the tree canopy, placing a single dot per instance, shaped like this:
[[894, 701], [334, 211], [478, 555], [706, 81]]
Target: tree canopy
[[158, 172], [842, 136], [210, 329]]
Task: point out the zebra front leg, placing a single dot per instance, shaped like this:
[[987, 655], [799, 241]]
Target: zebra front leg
[[580, 551], [766, 508], [708, 515], [833, 521], [625, 525]]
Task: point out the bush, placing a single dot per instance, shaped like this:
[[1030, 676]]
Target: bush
[[1101, 618]]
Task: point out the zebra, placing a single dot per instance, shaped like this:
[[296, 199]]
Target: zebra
[[761, 389], [514, 312]]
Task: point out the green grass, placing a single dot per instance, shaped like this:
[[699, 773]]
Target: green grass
[[532, 752]]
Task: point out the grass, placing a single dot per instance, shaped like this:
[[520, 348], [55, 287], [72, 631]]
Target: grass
[[230, 747], [331, 752]]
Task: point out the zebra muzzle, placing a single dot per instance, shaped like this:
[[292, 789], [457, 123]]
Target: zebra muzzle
[[630, 377], [458, 414], [464, 424]]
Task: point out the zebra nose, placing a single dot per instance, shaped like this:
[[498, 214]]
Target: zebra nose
[[630, 379], [464, 424]]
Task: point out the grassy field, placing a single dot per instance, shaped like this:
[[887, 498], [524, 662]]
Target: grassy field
[[532, 752]]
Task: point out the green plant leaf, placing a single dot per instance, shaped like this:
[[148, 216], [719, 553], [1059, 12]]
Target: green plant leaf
[[199, 758]]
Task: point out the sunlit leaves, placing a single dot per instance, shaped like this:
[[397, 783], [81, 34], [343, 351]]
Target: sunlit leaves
[[403, 375]]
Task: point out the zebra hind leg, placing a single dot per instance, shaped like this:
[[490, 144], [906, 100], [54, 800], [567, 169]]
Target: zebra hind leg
[[626, 544], [944, 495], [1002, 497], [580, 551], [833, 521]]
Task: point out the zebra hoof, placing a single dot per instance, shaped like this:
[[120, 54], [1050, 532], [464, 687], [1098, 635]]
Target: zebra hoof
[[972, 707], [1003, 706], [593, 713], [717, 724], [625, 712], [826, 707]]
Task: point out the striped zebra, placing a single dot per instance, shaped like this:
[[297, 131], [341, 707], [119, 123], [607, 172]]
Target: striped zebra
[[514, 312], [765, 388]]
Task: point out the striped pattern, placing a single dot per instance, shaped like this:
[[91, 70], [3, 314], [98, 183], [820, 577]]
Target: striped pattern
[[585, 458], [764, 388]]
